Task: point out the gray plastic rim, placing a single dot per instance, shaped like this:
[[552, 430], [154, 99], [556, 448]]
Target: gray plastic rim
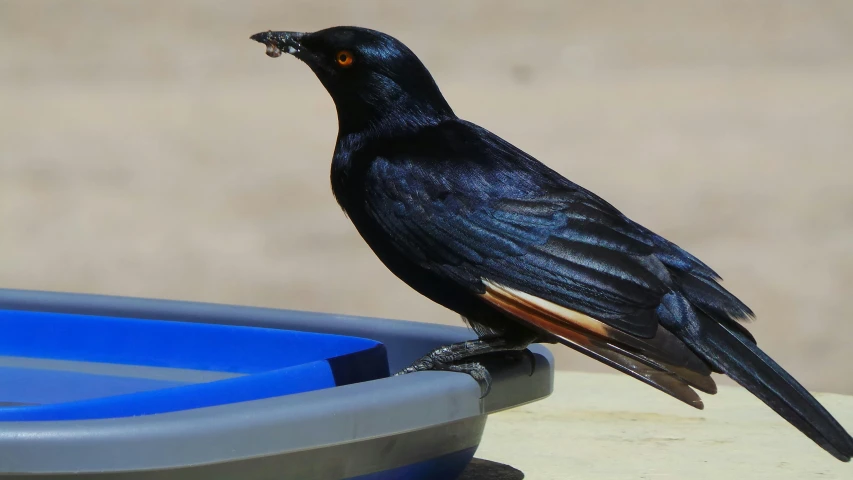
[[409, 406]]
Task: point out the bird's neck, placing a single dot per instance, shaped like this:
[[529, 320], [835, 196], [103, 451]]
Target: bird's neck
[[388, 112], [368, 119]]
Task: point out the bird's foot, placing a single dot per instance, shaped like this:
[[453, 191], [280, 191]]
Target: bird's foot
[[444, 358], [475, 369], [478, 372]]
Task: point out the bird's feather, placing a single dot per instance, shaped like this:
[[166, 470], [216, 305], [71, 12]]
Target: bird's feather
[[661, 357], [486, 230], [738, 357], [464, 215]]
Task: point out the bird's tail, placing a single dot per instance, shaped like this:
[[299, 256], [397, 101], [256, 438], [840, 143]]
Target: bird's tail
[[733, 354]]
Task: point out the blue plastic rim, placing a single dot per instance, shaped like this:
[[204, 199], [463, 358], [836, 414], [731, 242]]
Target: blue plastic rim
[[56, 366]]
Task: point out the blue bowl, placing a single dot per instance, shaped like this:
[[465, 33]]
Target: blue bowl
[[56, 366], [126, 388]]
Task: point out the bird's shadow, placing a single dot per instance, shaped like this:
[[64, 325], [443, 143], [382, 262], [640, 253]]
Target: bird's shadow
[[480, 469]]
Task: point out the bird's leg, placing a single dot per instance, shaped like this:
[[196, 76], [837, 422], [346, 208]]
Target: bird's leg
[[445, 357], [459, 351]]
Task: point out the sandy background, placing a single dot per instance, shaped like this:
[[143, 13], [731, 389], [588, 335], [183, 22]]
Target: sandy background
[[149, 148]]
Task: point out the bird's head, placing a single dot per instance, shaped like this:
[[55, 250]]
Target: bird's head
[[375, 80]]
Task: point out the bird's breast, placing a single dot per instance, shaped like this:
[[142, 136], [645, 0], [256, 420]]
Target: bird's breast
[[341, 177]]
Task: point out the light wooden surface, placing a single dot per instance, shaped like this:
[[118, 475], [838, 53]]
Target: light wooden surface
[[606, 426]]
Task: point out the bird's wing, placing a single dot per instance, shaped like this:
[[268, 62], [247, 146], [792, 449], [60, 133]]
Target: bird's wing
[[472, 223], [550, 256]]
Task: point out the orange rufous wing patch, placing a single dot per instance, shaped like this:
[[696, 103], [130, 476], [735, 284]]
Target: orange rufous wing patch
[[663, 361]]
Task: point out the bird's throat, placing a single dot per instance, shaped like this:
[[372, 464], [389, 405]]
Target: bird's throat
[[388, 112]]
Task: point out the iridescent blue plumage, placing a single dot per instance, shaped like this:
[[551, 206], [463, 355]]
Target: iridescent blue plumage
[[522, 253]]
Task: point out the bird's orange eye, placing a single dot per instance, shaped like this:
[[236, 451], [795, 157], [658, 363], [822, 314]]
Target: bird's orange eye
[[344, 58]]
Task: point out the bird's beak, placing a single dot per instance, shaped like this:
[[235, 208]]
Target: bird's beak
[[278, 42]]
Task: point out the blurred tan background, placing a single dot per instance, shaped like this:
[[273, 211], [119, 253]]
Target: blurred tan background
[[149, 148]]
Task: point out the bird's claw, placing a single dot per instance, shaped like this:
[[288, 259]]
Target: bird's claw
[[478, 372], [474, 369]]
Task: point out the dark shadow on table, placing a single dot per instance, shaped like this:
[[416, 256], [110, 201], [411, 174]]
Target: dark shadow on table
[[480, 469]]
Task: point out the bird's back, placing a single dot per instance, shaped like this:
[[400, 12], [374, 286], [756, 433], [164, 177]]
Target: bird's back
[[425, 170]]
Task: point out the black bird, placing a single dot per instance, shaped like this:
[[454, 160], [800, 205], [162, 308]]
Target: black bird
[[523, 254]]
